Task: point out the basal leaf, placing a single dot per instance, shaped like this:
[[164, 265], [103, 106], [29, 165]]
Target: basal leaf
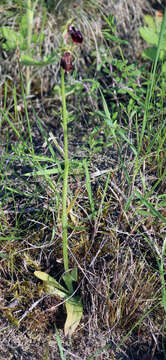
[[51, 285], [74, 309]]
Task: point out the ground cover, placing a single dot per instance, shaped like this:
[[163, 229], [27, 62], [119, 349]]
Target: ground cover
[[102, 210]]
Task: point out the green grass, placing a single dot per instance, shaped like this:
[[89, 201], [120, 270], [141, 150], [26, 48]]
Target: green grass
[[113, 205]]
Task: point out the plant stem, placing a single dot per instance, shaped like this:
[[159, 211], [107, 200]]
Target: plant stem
[[65, 177], [29, 16]]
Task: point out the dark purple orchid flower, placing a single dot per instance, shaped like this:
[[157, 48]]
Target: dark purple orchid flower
[[67, 61], [75, 34]]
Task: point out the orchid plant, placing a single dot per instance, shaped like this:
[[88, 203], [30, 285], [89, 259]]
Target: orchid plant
[[73, 303]]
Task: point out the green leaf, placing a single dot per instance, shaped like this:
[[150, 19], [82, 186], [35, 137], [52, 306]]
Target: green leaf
[[4, 255], [148, 35], [51, 285], [44, 172], [74, 311], [29, 61], [127, 140], [144, 213], [164, 68], [59, 344], [37, 38], [74, 307], [13, 38], [106, 110], [24, 26], [150, 22], [151, 209], [114, 38], [68, 278], [150, 53]]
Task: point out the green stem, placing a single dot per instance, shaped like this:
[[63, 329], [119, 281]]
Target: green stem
[[65, 177], [29, 15]]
